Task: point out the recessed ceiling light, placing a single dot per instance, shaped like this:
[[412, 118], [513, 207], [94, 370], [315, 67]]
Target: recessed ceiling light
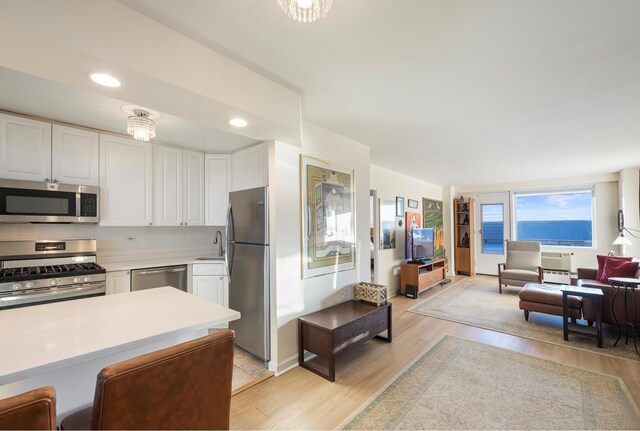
[[238, 122], [105, 80]]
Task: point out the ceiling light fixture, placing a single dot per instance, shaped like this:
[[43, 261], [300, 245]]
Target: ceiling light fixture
[[140, 126], [105, 80], [305, 10], [238, 122]]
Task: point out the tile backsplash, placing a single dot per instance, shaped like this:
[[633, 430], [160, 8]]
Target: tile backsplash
[[122, 241]]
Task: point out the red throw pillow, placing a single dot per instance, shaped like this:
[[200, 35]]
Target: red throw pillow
[[602, 259], [618, 268]]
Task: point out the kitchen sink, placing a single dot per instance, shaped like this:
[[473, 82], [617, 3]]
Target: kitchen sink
[[209, 258]]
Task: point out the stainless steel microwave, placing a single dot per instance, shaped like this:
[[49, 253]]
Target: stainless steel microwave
[[36, 202]]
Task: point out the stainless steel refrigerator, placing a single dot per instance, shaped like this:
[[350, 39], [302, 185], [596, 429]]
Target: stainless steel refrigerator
[[247, 231]]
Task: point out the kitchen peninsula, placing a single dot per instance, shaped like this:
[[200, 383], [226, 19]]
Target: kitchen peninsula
[[66, 344]]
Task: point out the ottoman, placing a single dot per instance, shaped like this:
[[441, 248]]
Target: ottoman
[[547, 298]]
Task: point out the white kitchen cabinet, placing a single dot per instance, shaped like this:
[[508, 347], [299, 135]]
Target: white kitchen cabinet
[[168, 186], [210, 281], [74, 156], [179, 187], [249, 167], [192, 188], [118, 282], [125, 182], [25, 149], [217, 187], [214, 288]]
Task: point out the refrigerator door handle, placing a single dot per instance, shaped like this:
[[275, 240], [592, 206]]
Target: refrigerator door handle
[[227, 261]]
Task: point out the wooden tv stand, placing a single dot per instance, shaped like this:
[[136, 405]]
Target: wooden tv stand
[[422, 275]]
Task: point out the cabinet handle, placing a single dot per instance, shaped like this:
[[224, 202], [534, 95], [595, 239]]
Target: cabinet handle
[[185, 224], [150, 223], [55, 180], [180, 224], [47, 179]]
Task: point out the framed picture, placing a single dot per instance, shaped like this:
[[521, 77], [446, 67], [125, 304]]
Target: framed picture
[[328, 217], [413, 221], [432, 216], [399, 206], [412, 204], [387, 224]]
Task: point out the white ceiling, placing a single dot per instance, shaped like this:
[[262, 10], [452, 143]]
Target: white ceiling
[[450, 91], [26, 94]]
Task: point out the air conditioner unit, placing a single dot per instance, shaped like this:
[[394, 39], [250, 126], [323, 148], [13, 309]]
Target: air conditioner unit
[[556, 267]]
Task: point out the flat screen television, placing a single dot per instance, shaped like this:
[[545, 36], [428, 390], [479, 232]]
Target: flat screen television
[[422, 247]]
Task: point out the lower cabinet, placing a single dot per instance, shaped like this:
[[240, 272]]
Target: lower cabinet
[[118, 282], [214, 288]]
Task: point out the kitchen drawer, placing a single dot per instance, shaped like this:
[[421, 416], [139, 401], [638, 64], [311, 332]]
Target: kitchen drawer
[[212, 268]]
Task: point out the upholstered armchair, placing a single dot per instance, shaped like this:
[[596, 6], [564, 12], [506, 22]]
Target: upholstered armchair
[[523, 265]]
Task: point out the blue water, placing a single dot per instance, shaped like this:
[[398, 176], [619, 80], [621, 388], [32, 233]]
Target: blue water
[[568, 233]]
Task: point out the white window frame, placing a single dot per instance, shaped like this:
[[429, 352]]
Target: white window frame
[[590, 189]]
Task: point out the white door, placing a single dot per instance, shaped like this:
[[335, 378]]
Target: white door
[[492, 230], [125, 182], [193, 188], [216, 188], [168, 186], [74, 156], [25, 149]]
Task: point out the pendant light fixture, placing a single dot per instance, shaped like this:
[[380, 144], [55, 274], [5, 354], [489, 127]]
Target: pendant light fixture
[[140, 126], [305, 10]]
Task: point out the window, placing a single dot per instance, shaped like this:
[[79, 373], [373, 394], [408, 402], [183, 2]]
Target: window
[[563, 218]]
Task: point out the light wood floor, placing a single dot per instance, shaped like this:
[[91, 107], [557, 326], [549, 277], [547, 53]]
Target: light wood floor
[[300, 399]]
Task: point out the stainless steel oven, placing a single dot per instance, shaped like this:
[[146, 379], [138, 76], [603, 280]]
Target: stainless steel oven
[[36, 202]]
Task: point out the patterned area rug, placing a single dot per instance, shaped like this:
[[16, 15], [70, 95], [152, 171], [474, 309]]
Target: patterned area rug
[[476, 302], [462, 384]]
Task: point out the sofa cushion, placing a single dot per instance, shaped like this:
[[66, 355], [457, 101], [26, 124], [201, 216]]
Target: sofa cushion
[[617, 268], [519, 274], [602, 259]]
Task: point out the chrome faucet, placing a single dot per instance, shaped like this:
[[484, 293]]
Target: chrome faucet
[[219, 242]]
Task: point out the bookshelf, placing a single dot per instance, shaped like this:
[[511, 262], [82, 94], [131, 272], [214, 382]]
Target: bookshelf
[[464, 237]]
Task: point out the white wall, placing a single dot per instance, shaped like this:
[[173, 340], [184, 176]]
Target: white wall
[[606, 195], [296, 296], [629, 203], [113, 242], [390, 184]]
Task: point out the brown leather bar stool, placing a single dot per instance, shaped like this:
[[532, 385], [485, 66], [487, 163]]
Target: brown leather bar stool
[[33, 410], [187, 386]]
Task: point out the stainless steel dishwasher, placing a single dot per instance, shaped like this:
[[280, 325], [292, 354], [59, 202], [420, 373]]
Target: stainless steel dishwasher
[[148, 278]]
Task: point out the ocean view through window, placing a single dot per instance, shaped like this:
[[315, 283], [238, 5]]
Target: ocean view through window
[[555, 218]]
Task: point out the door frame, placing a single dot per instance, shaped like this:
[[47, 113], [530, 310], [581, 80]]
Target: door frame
[[487, 263], [373, 195]]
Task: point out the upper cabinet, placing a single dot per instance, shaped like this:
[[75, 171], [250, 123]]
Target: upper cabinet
[[217, 187], [125, 182], [74, 156], [179, 187], [37, 151], [250, 168], [25, 149]]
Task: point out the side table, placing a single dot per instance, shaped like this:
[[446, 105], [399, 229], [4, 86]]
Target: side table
[[588, 292], [629, 284]]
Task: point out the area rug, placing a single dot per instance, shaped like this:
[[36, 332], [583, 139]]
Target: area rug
[[463, 384], [476, 302]]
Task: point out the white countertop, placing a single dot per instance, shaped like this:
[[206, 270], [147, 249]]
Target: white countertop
[[135, 262], [46, 337]]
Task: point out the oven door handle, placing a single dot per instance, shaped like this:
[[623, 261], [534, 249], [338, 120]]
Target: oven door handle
[[51, 294]]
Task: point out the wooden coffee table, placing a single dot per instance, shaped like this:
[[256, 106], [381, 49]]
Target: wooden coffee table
[[339, 329]]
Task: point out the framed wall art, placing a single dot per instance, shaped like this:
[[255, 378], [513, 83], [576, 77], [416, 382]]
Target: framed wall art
[[412, 204], [387, 224], [432, 216], [399, 206], [328, 217]]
